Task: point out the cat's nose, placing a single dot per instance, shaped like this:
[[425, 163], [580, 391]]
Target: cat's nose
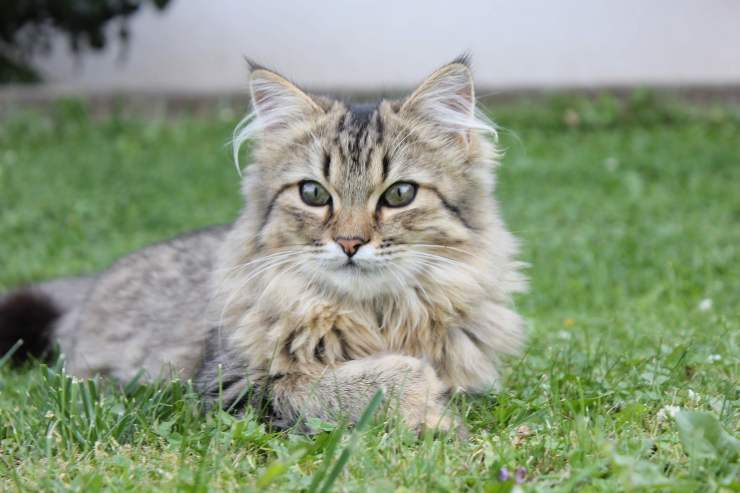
[[350, 245]]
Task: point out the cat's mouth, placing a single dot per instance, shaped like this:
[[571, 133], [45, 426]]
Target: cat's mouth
[[356, 278], [351, 265]]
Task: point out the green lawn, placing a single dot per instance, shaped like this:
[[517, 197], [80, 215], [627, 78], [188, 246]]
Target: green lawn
[[630, 216]]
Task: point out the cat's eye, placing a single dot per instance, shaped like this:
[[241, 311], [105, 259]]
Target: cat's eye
[[399, 194], [313, 194]]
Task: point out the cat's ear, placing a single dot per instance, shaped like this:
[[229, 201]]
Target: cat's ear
[[276, 101], [447, 100]]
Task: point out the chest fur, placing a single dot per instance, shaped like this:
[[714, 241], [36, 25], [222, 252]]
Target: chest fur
[[307, 340]]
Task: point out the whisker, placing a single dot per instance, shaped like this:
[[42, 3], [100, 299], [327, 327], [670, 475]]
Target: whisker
[[243, 282], [264, 268], [266, 289], [446, 247], [439, 258], [264, 258], [437, 262], [430, 277]]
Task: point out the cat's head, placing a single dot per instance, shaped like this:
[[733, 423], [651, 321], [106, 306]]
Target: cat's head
[[365, 199]]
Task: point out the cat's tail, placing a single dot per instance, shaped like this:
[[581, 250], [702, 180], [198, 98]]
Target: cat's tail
[[29, 315]]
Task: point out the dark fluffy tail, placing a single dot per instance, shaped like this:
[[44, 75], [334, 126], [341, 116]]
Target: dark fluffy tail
[[27, 316]]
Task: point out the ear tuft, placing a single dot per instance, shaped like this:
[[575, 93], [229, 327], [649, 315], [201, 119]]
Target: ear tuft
[[276, 104], [447, 99], [463, 59], [253, 65]]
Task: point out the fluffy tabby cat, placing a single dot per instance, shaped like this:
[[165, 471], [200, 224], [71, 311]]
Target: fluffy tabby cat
[[369, 255]]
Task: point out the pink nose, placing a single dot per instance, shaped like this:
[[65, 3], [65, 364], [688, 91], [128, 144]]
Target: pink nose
[[350, 245]]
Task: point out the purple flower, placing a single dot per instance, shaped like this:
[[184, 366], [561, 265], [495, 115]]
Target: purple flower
[[503, 474], [520, 475]]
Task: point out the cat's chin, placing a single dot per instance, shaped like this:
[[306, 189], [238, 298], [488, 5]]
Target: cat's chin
[[357, 281]]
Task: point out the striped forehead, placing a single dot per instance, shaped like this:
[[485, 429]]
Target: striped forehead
[[354, 163]]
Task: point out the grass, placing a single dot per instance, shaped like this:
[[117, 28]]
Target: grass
[[630, 216]]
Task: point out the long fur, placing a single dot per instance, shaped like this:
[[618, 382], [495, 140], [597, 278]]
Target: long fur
[[273, 307], [450, 308]]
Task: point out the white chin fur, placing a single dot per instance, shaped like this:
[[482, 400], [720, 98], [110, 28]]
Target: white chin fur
[[365, 278]]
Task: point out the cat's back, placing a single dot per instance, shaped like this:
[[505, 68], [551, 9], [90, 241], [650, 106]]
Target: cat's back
[[146, 312]]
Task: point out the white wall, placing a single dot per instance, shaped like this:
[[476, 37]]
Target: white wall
[[362, 44]]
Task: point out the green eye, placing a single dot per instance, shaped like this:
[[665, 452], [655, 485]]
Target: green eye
[[399, 194], [314, 194]]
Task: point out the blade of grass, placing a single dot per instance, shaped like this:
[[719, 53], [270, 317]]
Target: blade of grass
[[6, 357], [361, 425]]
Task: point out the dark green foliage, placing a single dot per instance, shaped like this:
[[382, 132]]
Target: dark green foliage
[[26, 27]]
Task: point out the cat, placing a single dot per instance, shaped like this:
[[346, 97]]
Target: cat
[[369, 255]]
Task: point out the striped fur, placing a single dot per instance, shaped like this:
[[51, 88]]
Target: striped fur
[[430, 293], [270, 311]]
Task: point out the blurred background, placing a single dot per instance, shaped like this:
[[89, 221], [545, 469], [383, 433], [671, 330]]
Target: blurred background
[[620, 127], [187, 47]]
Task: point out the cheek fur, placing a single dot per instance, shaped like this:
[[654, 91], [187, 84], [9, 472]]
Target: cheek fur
[[427, 225], [426, 220], [291, 224]]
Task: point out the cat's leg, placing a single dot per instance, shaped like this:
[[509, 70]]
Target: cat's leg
[[410, 385]]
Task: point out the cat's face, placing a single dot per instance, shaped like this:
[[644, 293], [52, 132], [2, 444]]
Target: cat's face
[[363, 200]]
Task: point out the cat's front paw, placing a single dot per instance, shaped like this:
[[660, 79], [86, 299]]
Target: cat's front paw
[[422, 396], [441, 425]]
